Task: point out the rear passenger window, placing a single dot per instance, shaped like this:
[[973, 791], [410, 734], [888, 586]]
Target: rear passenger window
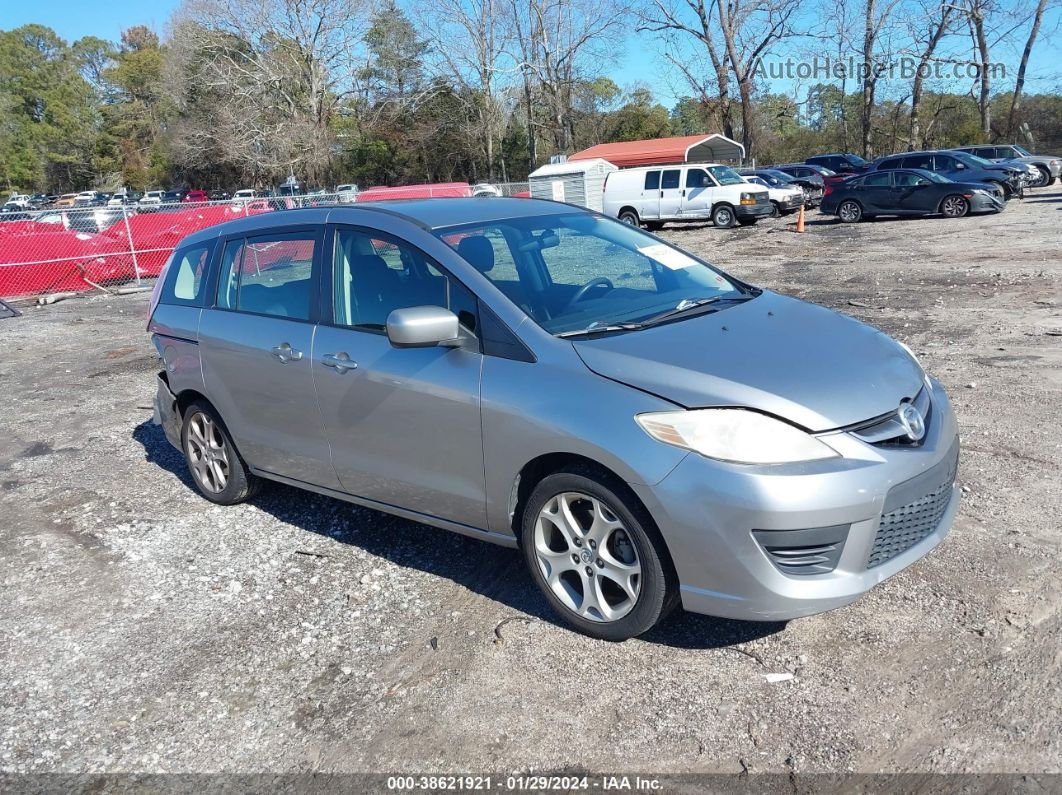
[[268, 275], [184, 278], [877, 180], [671, 179], [652, 180]]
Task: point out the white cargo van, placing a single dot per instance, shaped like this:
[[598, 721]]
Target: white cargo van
[[653, 195]]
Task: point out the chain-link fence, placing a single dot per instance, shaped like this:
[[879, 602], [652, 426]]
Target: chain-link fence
[[122, 245]]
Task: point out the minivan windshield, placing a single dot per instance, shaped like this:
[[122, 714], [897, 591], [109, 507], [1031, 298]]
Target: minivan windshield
[[577, 273]]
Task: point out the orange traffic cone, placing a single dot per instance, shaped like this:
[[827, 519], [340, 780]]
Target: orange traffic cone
[[800, 220]]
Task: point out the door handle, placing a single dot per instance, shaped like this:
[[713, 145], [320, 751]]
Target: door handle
[[286, 353], [341, 362]]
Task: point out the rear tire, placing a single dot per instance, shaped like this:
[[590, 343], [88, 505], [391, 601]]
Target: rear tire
[[776, 211], [723, 216], [217, 469], [849, 212], [629, 216], [596, 555], [654, 226], [748, 221]]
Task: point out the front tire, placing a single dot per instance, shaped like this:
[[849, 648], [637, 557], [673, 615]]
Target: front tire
[[776, 211], [596, 555], [954, 207], [216, 467], [850, 212], [1044, 180], [723, 216]]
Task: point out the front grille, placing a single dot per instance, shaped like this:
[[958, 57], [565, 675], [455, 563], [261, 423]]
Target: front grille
[[901, 528], [888, 430]]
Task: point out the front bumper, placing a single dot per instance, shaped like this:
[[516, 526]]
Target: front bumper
[[166, 413], [984, 203], [758, 210], [722, 521], [791, 203]]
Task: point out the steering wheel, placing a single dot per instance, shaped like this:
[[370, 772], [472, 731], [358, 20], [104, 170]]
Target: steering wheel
[[600, 281]]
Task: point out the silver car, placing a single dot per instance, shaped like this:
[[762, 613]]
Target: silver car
[[648, 430]]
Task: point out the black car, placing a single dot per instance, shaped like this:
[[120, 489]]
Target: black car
[[219, 195], [909, 192], [842, 163], [957, 166]]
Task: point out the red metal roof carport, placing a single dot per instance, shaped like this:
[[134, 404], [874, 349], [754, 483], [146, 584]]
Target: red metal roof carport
[[664, 151]]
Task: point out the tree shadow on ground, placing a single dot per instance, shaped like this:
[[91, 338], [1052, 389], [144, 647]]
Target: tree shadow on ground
[[495, 572]]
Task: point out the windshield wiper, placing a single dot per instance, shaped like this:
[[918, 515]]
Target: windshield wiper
[[689, 305], [597, 328]]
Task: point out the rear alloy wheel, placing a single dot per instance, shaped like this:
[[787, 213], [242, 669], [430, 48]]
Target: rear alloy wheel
[[850, 212], [723, 216], [217, 469], [954, 207], [629, 217], [600, 566]]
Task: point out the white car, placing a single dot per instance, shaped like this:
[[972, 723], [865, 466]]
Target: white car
[[18, 201], [244, 195], [150, 201], [688, 192], [485, 189], [784, 200], [347, 194]]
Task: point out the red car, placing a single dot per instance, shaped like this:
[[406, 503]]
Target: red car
[[196, 196]]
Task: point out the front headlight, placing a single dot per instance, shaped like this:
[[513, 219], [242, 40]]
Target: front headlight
[[734, 435]]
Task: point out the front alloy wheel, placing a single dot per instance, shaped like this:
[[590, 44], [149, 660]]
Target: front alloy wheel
[[955, 207], [587, 558], [597, 555]]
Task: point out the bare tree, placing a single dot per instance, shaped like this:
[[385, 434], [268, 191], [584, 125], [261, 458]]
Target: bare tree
[[876, 19], [472, 46], [677, 20], [280, 67], [736, 35], [1019, 84], [559, 43], [930, 27], [750, 28]]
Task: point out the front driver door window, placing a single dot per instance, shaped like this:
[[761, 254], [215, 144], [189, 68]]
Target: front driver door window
[[403, 423]]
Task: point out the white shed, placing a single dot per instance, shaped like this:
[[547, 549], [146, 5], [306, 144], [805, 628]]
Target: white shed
[[579, 182]]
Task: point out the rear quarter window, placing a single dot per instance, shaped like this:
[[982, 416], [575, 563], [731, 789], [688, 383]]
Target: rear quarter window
[[185, 279]]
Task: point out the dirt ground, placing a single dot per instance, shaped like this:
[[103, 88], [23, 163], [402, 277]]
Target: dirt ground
[[143, 629]]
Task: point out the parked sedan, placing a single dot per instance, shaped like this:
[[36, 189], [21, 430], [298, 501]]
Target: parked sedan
[[773, 178], [1048, 167], [785, 198], [392, 356], [909, 192], [957, 166]]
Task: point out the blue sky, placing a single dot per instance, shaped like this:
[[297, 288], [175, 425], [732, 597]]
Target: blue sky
[[639, 63]]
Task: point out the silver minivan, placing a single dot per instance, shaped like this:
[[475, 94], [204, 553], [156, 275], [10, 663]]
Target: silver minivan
[[648, 430]]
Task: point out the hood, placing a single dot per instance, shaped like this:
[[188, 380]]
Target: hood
[[805, 363]]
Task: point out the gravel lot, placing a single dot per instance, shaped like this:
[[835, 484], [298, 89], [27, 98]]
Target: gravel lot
[[143, 629]]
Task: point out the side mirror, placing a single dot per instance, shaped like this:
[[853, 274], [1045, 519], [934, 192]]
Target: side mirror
[[423, 327]]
